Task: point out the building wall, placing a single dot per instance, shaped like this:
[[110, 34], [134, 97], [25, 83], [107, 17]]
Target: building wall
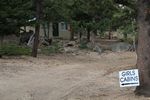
[[64, 30]]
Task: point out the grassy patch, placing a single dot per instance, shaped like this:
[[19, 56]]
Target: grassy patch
[[14, 50]]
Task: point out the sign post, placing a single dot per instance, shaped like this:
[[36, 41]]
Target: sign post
[[128, 78]]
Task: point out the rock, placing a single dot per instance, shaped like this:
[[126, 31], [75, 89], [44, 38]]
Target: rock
[[90, 45], [39, 50], [46, 41], [117, 47], [70, 50], [98, 49], [95, 47], [70, 44]]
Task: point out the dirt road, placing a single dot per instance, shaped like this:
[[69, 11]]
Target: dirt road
[[87, 76]]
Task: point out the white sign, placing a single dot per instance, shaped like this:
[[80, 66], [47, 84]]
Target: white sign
[[129, 78]]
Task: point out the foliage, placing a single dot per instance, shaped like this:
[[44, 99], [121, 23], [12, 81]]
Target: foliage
[[54, 48], [14, 50], [13, 15], [83, 45], [128, 29], [126, 17], [88, 15], [100, 15]]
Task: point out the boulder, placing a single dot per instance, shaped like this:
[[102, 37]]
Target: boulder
[[70, 50], [70, 44], [121, 46]]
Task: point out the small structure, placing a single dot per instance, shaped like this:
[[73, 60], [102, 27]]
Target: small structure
[[53, 30]]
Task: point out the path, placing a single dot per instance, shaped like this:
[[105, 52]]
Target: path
[[85, 77]]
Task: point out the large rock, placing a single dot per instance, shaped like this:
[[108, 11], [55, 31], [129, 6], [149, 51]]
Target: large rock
[[98, 49], [70, 50], [95, 47], [117, 47], [70, 44]]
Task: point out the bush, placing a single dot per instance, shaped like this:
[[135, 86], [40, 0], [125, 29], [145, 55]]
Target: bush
[[54, 48], [14, 50], [83, 45]]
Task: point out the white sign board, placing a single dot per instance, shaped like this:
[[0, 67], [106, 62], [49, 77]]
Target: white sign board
[[129, 78]]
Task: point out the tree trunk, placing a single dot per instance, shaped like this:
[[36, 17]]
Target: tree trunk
[[25, 28], [110, 35], [48, 29], [36, 41], [72, 33], [44, 29], [80, 32], [125, 36], [37, 27], [88, 34], [95, 32], [72, 36], [1, 40], [1, 43], [80, 36], [143, 50]]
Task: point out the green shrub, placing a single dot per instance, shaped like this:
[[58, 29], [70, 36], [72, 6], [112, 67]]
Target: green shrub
[[14, 50], [54, 48], [83, 45]]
